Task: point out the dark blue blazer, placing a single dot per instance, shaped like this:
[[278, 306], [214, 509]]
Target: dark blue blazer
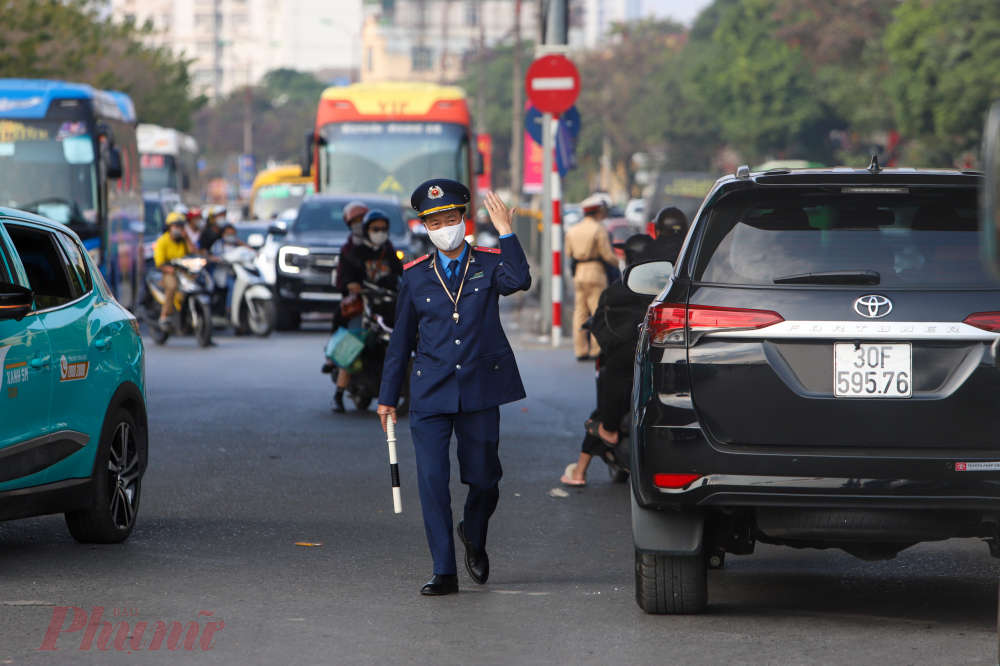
[[470, 359]]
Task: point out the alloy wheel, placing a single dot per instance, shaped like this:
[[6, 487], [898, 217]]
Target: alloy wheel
[[123, 476]]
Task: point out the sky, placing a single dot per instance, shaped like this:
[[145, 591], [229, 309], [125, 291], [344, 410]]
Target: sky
[[683, 11]]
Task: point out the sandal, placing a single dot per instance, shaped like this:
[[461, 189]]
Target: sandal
[[593, 428], [568, 480]]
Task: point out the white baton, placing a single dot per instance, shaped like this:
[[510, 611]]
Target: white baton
[[397, 500]]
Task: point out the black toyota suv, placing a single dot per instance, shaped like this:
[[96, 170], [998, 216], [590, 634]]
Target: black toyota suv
[[309, 255], [817, 371]]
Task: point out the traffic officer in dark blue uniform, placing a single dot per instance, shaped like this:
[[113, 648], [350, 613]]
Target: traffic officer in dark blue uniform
[[464, 369]]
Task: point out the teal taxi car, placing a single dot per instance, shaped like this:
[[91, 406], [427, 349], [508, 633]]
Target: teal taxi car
[[73, 427]]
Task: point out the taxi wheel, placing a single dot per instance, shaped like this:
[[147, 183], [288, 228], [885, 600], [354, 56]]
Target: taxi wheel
[[117, 481]]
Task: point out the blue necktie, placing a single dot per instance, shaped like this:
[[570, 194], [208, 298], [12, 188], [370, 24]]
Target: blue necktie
[[453, 268]]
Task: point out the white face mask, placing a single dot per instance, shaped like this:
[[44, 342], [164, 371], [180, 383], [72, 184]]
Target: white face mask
[[448, 238], [378, 238], [357, 229]]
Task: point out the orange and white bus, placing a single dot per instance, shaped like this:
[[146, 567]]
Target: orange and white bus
[[387, 138]]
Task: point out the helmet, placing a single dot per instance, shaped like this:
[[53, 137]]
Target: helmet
[[352, 210], [596, 201], [373, 215], [670, 219], [193, 212], [175, 218], [635, 247]]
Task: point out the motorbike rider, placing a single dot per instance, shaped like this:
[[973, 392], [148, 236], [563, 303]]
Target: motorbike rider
[[588, 247], [194, 225], [354, 215], [214, 217], [173, 244], [226, 242], [671, 230], [615, 325], [372, 259]]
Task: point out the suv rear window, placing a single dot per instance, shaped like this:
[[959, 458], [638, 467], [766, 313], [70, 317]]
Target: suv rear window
[[923, 238]]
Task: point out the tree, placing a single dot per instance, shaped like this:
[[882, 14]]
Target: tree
[[283, 108], [944, 76], [69, 40], [760, 89]]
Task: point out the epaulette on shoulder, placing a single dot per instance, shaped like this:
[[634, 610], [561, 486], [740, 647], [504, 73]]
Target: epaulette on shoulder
[[415, 262], [491, 250]]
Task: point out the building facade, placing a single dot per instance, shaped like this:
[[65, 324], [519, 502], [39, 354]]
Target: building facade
[[235, 42], [435, 40]]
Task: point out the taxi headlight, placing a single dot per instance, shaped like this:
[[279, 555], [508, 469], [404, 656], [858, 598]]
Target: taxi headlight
[[289, 256]]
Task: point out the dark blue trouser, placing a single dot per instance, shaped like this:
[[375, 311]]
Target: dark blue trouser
[[478, 435]]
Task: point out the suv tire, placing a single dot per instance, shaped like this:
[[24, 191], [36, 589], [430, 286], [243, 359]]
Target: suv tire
[[668, 585], [109, 520]]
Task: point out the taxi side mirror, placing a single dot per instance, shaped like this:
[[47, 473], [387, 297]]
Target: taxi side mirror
[[648, 277], [989, 197], [15, 301]]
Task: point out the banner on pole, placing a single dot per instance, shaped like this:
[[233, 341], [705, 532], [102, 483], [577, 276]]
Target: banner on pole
[[532, 166]]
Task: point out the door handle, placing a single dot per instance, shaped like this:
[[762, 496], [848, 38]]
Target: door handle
[[103, 343], [39, 361]]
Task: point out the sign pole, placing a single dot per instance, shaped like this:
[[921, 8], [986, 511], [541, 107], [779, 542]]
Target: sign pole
[[548, 155], [557, 286]]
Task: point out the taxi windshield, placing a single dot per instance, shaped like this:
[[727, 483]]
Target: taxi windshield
[[48, 168], [391, 157]]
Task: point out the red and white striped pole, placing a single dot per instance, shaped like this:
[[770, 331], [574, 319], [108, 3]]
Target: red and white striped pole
[[557, 286]]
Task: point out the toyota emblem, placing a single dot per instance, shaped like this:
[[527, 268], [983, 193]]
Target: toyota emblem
[[873, 306]]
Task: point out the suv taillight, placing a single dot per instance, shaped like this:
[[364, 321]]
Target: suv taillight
[[670, 324], [988, 321]]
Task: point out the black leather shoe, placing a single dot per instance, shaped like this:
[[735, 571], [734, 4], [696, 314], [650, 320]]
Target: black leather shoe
[[440, 584], [337, 404], [476, 562]]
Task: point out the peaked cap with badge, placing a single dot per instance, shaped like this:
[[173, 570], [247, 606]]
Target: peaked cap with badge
[[439, 194]]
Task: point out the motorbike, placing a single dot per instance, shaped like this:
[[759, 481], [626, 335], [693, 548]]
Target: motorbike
[[193, 301], [252, 303], [377, 320]]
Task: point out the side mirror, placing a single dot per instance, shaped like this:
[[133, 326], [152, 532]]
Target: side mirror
[[114, 166], [989, 198], [477, 163], [185, 181], [648, 277], [307, 153], [15, 301], [278, 229]]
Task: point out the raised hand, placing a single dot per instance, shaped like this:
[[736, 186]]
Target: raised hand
[[501, 217]]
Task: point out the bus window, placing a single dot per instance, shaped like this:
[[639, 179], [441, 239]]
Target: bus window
[[391, 157], [49, 168]]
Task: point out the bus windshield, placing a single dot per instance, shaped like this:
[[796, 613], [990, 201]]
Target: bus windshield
[[159, 172], [270, 201], [48, 168], [391, 157]]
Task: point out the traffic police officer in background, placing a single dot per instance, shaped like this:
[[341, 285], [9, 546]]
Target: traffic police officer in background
[[588, 246], [463, 371]]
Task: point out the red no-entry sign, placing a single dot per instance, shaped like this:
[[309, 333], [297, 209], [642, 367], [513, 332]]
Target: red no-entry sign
[[552, 83]]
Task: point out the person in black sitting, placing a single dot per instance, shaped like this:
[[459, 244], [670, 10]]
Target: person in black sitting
[[615, 325], [671, 230], [372, 260]]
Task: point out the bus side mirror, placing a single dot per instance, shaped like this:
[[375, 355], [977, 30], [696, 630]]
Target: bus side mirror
[[15, 301], [114, 166], [648, 277], [185, 181], [477, 164], [307, 153]]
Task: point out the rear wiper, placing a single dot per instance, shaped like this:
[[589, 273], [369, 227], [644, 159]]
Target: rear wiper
[[832, 277]]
